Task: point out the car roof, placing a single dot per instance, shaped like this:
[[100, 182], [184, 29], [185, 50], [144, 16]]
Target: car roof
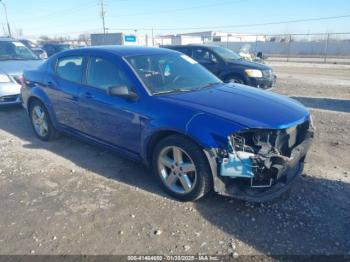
[[7, 39], [122, 51], [191, 45]]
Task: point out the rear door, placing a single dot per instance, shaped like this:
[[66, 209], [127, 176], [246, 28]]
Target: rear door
[[111, 119], [63, 89]]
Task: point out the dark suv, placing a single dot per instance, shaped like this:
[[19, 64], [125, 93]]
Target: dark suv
[[228, 65]]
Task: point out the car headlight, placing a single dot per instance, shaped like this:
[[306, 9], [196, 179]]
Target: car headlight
[[253, 73], [4, 78]]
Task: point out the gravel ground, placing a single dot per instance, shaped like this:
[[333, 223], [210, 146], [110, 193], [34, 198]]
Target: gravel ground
[[67, 197]]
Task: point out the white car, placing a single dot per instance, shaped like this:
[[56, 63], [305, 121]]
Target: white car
[[14, 58]]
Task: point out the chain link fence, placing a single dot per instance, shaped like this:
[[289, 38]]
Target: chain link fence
[[328, 47]]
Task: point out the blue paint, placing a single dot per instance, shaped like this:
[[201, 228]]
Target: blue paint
[[207, 116]]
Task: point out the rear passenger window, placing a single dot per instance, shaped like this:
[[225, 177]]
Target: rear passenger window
[[70, 68]]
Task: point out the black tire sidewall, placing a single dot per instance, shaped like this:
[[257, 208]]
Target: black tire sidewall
[[204, 177], [235, 79]]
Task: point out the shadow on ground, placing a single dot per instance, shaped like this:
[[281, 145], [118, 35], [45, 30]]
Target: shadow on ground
[[339, 105], [314, 220]]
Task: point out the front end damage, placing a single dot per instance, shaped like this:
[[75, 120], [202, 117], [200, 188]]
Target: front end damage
[[260, 164]]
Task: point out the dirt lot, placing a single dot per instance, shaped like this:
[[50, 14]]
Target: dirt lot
[[67, 197]]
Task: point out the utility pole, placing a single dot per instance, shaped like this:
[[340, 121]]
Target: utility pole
[[152, 37], [103, 13], [7, 20], [326, 48]]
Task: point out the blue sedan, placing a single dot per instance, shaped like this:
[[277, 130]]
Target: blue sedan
[[161, 107]]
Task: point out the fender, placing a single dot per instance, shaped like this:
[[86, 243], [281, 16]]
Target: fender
[[229, 71], [152, 127], [211, 131]]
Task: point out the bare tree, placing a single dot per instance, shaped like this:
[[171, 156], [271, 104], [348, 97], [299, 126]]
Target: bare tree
[[44, 38], [85, 38]]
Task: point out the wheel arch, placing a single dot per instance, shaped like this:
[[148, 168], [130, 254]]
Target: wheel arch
[[157, 136], [44, 100], [227, 76]]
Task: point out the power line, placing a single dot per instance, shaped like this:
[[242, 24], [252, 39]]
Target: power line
[[242, 25], [63, 12], [181, 9]]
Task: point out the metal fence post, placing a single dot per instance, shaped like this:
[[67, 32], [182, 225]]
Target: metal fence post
[[289, 43], [326, 48]]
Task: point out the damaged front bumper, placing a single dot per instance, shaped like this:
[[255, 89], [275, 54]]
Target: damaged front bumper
[[264, 174]]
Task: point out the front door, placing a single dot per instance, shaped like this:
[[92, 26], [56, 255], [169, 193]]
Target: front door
[[208, 59], [111, 119]]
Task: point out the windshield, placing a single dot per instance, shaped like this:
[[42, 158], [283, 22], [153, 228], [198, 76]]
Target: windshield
[[28, 43], [12, 50], [226, 54], [171, 73]]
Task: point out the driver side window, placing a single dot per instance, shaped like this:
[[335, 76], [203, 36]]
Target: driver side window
[[204, 56], [103, 73]]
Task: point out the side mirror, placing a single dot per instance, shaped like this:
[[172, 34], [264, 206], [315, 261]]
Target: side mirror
[[122, 91]]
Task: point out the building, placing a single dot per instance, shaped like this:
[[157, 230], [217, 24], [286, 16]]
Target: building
[[120, 39], [216, 36]]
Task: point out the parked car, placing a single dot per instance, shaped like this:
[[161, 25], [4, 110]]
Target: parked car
[[14, 58], [161, 107], [34, 47], [229, 66], [53, 48]]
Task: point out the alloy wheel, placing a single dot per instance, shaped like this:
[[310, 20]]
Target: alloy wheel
[[40, 121], [177, 170]]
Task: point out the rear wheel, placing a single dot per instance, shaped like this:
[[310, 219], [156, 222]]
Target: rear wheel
[[182, 168], [41, 122]]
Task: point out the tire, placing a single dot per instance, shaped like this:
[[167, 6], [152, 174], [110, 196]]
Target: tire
[[187, 177], [234, 79], [42, 124]]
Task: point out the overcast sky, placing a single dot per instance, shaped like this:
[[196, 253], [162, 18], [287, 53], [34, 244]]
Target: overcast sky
[[72, 17]]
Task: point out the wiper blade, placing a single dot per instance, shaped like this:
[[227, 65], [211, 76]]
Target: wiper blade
[[209, 85], [174, 91]]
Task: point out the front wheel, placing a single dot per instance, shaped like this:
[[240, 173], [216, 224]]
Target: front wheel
[[182, 168], [235, 79]]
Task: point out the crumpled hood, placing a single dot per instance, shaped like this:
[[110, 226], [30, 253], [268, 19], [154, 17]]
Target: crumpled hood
[[244, 105], [16, 67]]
